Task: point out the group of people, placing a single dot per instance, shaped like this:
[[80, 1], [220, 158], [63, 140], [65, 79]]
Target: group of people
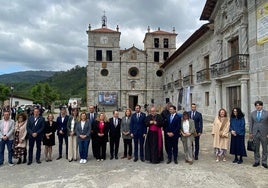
[[150, 134]]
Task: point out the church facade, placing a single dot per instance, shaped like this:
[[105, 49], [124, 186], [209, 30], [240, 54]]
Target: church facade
[[119, 78]]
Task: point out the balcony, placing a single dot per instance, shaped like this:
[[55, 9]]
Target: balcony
[[178, 83], [203, 76], [235, 65], [188, 80]]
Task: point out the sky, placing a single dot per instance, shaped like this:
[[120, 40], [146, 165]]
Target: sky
[[51, 34]]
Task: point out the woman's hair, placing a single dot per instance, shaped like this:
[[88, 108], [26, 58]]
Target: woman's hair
[[128, 109], [23, 115], [240, 114], [80, 117], [185, 114], [105, 117], [49, 115], [224, 112]]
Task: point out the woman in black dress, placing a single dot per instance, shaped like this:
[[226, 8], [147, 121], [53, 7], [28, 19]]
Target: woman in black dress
[[49, 136]]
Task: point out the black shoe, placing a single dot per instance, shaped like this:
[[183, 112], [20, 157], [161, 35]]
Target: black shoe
[[169, 161], [19, 161], [24, 160], [256, 164], [135, 159], [38, 161], [265, 165], [116, 157], [235, 161], [66, 156], [142, 159], [240, 162], [71, 160], [196, 158], [176, 161], [29, 163], [59, 158], [111, 158]]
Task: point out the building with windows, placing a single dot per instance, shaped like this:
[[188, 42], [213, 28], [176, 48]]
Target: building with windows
[[224, 63], [119, 78]]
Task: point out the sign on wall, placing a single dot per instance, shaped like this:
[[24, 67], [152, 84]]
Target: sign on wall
[[262, 24], [108, 98]]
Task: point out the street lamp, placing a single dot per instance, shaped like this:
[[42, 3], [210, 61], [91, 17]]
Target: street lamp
[[11, 99]]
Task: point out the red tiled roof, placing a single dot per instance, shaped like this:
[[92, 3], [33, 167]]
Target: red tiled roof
[[194, 37], [104, 30]]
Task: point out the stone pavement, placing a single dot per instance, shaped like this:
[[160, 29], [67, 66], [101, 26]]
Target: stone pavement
[[205, 172]]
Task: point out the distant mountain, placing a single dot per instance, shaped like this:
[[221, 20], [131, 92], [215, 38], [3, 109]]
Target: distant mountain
[[26, 77]]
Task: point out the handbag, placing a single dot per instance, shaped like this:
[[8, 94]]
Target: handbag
[[251, 145]]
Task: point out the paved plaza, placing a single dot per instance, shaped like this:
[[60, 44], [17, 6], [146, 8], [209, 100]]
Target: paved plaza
[[205, 172]]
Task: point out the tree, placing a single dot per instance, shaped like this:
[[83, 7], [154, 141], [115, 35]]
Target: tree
[[44, 94], [4, 92]]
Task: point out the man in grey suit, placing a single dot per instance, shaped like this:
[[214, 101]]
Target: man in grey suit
[[6, 137], [258, 130]]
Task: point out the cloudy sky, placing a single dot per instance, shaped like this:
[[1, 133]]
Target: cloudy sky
[[51, 34]]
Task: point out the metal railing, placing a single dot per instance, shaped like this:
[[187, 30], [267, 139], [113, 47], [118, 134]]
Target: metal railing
[[203, 75]]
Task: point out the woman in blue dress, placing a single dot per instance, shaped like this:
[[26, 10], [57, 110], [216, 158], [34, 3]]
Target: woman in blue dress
[[237, 129]]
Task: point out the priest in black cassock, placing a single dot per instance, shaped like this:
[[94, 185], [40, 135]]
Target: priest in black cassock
[[154, 139]]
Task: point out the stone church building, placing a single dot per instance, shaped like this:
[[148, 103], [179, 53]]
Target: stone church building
[[223, 64], [119, 78]]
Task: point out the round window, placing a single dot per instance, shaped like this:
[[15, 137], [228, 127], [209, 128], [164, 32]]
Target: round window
[[133, 71], [104, 72], [159, 73]]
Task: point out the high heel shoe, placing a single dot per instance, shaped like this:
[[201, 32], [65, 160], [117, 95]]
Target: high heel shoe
[[19, 161]]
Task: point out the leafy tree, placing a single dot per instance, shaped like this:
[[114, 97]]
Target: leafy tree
[[44, 94], [4, 92]]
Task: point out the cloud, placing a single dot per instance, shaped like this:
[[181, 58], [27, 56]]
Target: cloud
[[51, 35]]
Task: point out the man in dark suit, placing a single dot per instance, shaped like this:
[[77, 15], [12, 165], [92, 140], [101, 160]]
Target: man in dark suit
[[92, 115], [62, 121], [172, 132], [35, 127], [114, 134], [258, 130], [198, 122], [138, 131], [165, 114]]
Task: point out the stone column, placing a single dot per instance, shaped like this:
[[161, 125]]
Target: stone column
[[218, 97], [244, 97], [244, 39], [219, 50]]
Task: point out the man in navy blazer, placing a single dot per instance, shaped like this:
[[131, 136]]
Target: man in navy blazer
[[198, 122], [114, 134], [92, 115], [172, 131], [138, 131], [62, 121], [35, 127]]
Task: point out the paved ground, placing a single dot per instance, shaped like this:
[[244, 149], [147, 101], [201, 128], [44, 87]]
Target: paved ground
[[124, 173]]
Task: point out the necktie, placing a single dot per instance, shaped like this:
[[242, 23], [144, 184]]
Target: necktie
[[171, 117], [259, 116], [138, 115], [192, 115], [91, 116]]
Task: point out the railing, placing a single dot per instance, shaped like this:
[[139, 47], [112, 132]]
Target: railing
[[203, 75], [178, 83], [169, 85], [188, 80], [239, 62]]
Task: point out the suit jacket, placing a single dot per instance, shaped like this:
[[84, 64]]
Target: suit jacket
[[125, 127], [91, 121], [10, 133], [69, 124], [96, 130], [22, 133], [35, 126], [174, 126], [115, 132], [259, 126], [198, 121], [137, 125], [85, 131], [191, 130], [62, 125]]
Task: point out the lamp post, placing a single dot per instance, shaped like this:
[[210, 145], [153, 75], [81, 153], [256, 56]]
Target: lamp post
[[11, 99]]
